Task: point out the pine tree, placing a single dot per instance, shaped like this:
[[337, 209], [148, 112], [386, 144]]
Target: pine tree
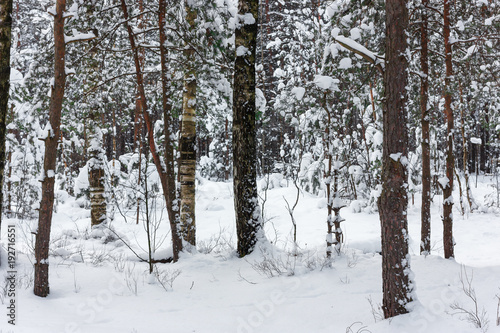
[[41, 282], [168, 124], [5, 42], [393, 201], [425, 241], [448, 242], [175, 230], [248, 217]]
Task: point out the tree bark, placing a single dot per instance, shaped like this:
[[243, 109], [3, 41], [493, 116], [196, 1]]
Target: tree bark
[[97, 158], [328, 182], [248, 217], [41, 283], [96, 164], [5, 42], [168, 121], [425, 240], [187, 162], [448, 243], [176, 240], [393, 201]]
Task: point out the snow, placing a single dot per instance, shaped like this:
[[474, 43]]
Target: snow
[[355, 33], [475, 141], [247, 19], [298, 92], [70, 71], [52, 10], [359, 48], [489, 21], [443, 181], [396, 156], [326, 82], [345, 63], [99, 286], [77, 36], [260, 100], [241, 51]]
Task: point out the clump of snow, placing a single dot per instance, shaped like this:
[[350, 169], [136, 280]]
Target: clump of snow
[[444, 181], [82, 181], [241, 51], [355, 33], [475, 141], [298, 92], [260, 100], [326, 82], [345, 63]]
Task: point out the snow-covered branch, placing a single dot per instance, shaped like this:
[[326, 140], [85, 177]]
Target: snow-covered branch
[[78, 37], [359, 49]]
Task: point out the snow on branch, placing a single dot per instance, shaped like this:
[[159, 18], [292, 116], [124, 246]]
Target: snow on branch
[[359, 49], [78, 37], [52, 10]]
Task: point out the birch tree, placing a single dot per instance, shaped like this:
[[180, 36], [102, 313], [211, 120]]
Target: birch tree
[[187, 162]]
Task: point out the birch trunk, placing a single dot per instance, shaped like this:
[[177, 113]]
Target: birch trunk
[[187, 162]]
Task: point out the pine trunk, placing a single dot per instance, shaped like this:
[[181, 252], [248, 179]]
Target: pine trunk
[[425, 240], [248, 217], [171, 194], [5, 42], [328, 183], [187, 162], [393, 200], [448, 243], [41, 283]]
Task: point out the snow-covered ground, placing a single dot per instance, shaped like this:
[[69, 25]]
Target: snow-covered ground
[[98, 285]]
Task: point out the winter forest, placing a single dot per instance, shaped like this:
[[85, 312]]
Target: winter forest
[[250, 166]]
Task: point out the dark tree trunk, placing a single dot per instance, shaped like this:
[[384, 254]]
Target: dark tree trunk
[[393, 200], [448, 243], [41, 283], [176, 240], [5, 41], [171, 194], [425, 240], [328, 176], [248, 217], [187, 145]]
